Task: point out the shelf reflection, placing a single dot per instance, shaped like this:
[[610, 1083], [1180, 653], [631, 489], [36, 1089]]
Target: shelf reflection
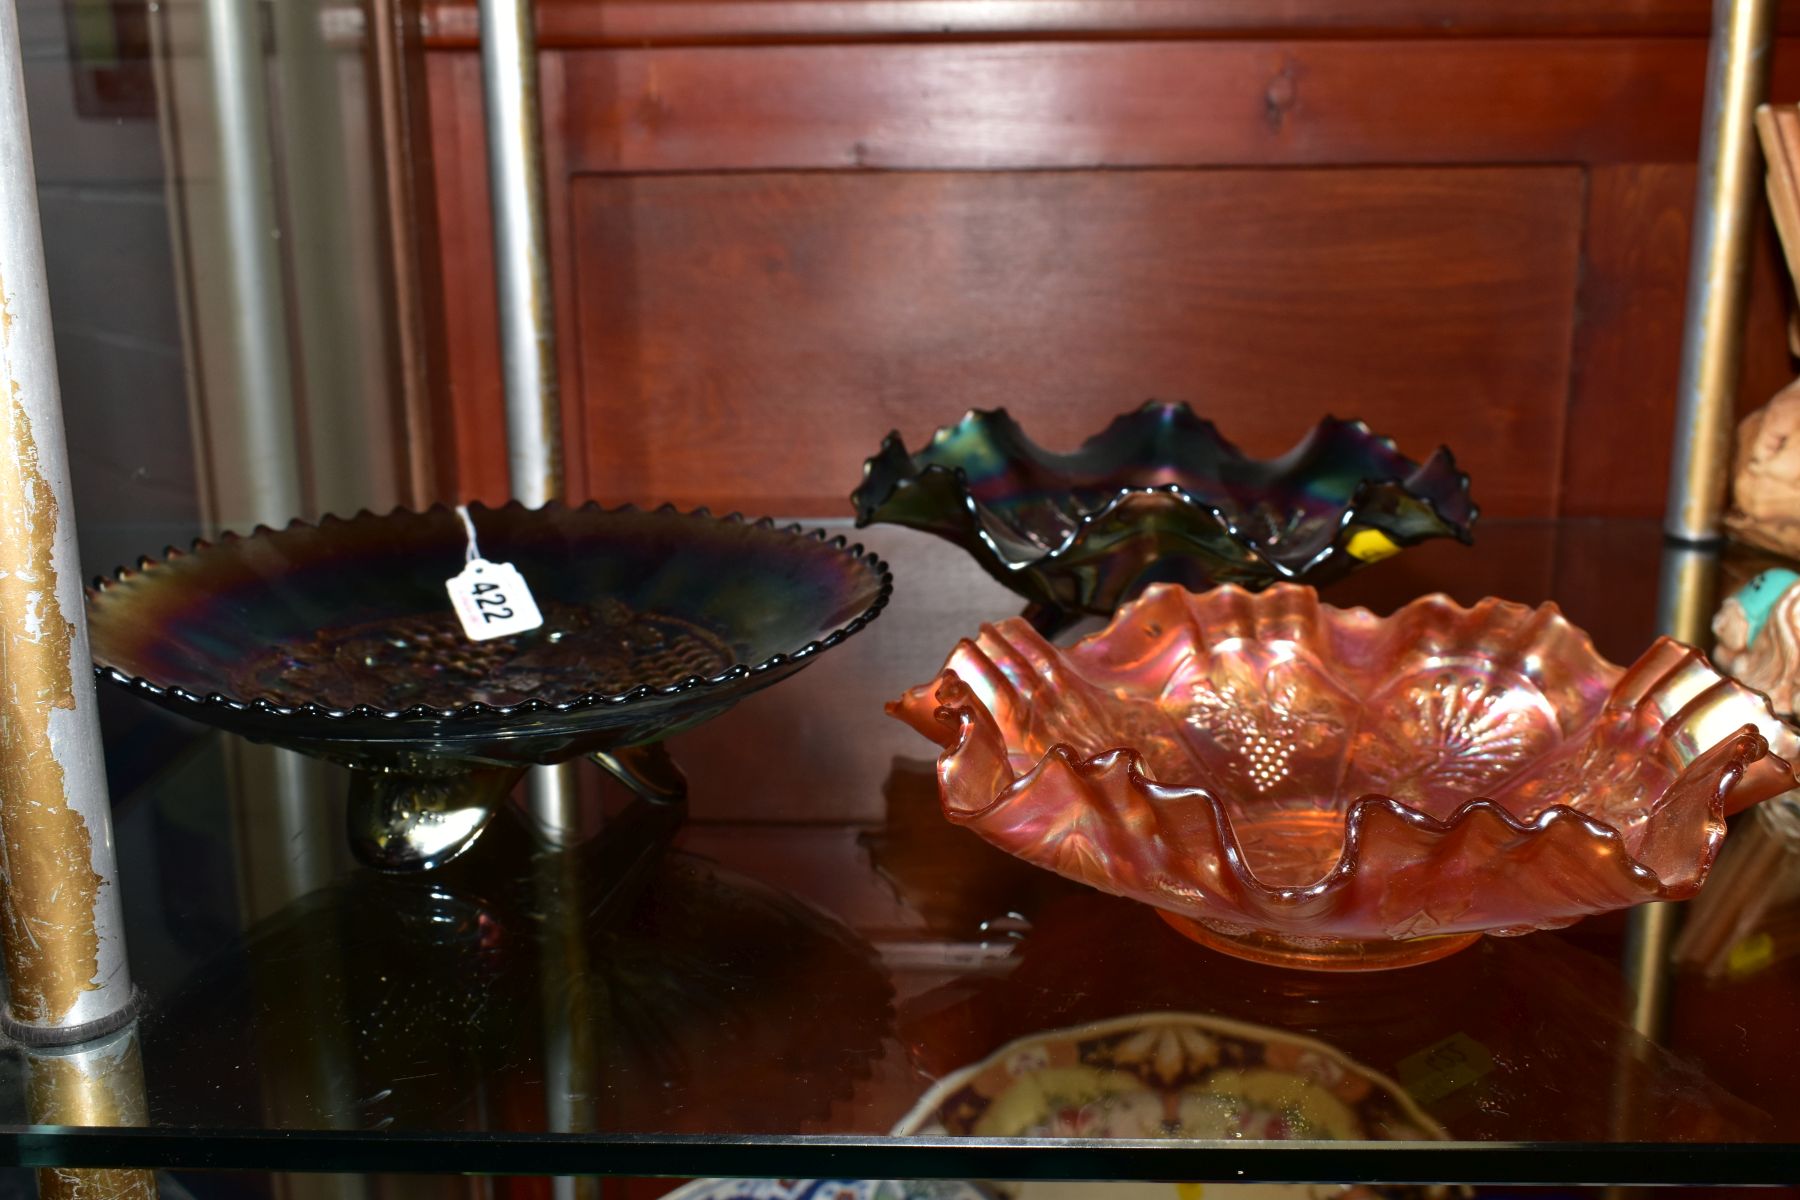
[[707, 1002]]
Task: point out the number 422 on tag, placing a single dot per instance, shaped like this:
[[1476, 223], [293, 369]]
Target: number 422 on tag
[[492, 601]]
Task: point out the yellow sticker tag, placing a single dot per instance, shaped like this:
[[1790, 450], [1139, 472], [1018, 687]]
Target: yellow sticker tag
[[1371, 545], [1444, 1067], [1750, 955]]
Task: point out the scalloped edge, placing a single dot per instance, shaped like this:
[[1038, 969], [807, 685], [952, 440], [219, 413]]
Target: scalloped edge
[[893, 446], [97, 591], [1748, 746]]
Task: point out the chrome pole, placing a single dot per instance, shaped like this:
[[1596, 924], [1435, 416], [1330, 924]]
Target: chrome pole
[[284, 847], [534, 462], [61, 922], [527, 319], [509, 85], [263, 411], [1724, 216]]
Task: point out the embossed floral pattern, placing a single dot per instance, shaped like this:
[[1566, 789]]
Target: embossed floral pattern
[[1452, 734], [1346, 790]]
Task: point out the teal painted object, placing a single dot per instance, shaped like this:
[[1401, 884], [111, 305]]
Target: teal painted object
[[1759, 596]]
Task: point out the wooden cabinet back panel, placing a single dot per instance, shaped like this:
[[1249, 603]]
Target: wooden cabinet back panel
[[767, 255], [746, 340]]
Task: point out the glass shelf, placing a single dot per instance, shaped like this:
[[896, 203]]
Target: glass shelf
[[768, 986]]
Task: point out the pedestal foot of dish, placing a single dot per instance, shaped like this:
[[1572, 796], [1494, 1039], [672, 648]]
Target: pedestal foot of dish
[[647, 770], [398, 821], [1318, 954]]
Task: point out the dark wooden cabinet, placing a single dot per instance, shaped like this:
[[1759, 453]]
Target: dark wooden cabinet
[[781, 229]]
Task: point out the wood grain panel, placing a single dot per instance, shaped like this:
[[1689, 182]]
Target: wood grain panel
[[1026, 105], [1628, 339], [665, 22], [1324, 94], [471, 328], [746, 340], [1627, 354]]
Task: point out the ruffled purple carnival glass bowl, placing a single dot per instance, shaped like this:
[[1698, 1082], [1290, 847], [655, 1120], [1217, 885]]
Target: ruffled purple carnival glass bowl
[[1159, 495]]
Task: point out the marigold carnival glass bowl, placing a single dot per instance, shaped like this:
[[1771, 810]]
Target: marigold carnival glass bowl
[[1318, 787], [1160, 496], [338, 640]]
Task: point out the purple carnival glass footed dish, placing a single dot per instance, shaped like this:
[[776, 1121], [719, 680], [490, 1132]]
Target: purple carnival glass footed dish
[[1318, 787], [338, 640], [1160, 496]]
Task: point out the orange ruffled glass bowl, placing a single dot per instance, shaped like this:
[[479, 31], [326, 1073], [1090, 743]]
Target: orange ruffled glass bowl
[[1323, 788]]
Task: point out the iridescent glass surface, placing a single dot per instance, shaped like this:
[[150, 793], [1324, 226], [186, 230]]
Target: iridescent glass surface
[[1161, 495], [772, 986], [1320, 787], [338, 639]]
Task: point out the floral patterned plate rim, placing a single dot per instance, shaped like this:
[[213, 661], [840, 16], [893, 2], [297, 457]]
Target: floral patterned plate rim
[[1146, 1067], [829, 1189]]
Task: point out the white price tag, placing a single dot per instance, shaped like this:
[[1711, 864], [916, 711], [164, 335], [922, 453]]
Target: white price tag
[[491, 599]]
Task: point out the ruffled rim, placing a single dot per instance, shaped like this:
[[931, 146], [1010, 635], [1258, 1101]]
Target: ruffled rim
[[893, 471], [1739, 751], [102, 586], [948, 711]]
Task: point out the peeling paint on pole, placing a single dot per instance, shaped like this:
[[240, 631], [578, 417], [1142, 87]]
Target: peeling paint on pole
[[48, 884], [60, 920]]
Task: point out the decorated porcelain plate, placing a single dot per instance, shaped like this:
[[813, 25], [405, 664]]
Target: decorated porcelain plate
[[1153, 1075], [1172, 1075], [829, 1189]]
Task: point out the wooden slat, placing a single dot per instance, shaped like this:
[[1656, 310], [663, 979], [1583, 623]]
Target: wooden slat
[[1768, 366], [1057, 105], [414, 278], [1627, 353], [567, 23], [1628, 339], [471, 332], [747, 340]]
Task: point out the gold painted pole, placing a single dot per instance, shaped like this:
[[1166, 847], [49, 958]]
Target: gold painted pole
[[1724, 215], [70, 1001], [100, 1083], [60, 917]]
